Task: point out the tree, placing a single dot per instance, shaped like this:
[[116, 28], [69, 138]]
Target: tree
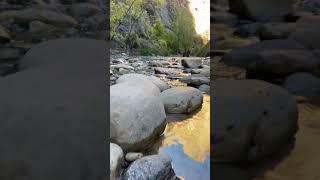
[[184, 28]]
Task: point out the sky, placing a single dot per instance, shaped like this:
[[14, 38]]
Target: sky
[[201, 13]]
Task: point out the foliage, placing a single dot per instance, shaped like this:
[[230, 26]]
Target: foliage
[[183, 27], [134, 25]]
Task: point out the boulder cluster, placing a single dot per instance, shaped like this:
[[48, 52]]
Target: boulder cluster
[[24, 23], [143, 91], [265, 58]]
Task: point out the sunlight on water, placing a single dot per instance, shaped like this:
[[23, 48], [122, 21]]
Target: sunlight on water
[[201, 13], [187, 142]]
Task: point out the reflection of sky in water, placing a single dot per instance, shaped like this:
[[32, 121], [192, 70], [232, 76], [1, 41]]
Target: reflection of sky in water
[[184, 166], [187, 142]]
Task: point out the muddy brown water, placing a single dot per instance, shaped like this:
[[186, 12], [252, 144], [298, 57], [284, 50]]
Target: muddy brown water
[[186, 140]]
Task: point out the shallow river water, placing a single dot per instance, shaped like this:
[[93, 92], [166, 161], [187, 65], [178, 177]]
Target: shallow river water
[[187, 141]]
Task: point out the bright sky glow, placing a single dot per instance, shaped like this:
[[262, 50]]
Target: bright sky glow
[[201, 13]]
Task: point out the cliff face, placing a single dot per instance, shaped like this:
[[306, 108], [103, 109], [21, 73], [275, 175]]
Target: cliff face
[[140, 24]]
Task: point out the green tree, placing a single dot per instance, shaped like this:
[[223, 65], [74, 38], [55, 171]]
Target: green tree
[[184, 28]]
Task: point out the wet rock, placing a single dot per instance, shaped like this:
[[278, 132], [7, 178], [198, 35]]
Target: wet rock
[[272, 58], [48, 96], [247, 30], [40, 27], [137, 115], [10, 54], [132, 156], [204, 88], [167, 71], [84, 9], [151, 167], [195, 80], [306, 32], [4, 36], [255, 129], [305, 85], [278, 30], [180, 100], [191, 62], [43, 15], [116, 159], [261, 10], [155, 64], [140, 78], [224, 17]]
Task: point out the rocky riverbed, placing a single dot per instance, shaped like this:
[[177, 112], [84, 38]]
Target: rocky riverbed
[[160, 117], [270, 133]]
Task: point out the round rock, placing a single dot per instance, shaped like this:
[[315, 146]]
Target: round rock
[[252, 119], [140, 78], [137, 115], [116, 158], [182, 99], [150, 168]]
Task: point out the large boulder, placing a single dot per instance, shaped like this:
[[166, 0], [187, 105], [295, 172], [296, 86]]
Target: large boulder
[[182, 99], [151, 167], [276, 30], [276, 58], [137, 115], [34, 14], [306, 32], [116, 159], [252, 119], [84, 9], [195, 80], [261, 10], [191, 62], [305, 85], [140, 78], [53, 113]]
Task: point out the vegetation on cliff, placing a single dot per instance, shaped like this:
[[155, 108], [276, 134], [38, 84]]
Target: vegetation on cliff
[[159, 27]]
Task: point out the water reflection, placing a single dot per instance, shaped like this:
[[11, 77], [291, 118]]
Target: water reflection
[[187, 142]]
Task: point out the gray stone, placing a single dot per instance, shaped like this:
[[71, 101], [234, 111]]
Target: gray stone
[[116, 159], [150, 168], [137, 115], [180, 100]]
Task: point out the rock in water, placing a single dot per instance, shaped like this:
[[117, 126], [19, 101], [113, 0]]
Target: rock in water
[[140, 78], [150, 168], [116, 158], [261, 10], [182, 99], [252, 119], [137, 115], [191, 62], [53, 113], [304, 84], [133, 156]]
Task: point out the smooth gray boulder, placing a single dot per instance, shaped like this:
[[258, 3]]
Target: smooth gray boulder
[[116, 159], [305, 85], [43, 15], [137, 115], [251, 120], [140, 78], [195, 80], [191, 62], [262, 10], [272, 58], [180, 100], [53, 113], [150, 168]]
